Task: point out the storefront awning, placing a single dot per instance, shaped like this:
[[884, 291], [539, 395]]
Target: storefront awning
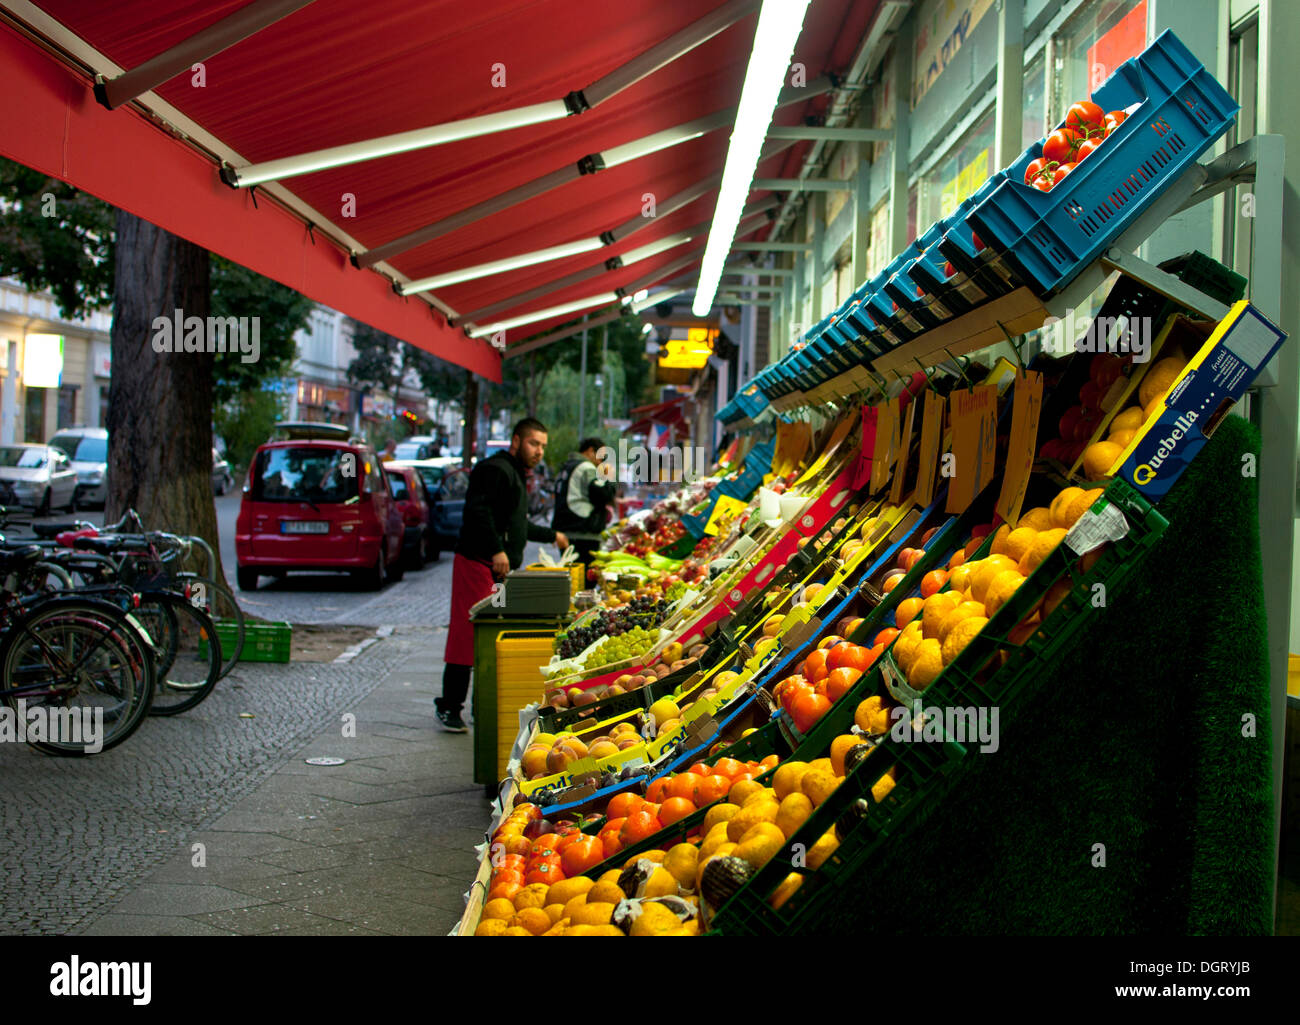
[[289, 80]]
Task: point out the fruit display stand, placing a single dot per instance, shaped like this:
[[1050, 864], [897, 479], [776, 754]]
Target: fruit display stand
[[1123, 703]]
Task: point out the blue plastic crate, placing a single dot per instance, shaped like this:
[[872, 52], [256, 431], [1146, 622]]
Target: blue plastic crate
[[1051, 236]]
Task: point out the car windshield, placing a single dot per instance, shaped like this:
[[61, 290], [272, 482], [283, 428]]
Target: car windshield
[[306, 475], [398, 483], [27, 458], [82, 447], [432, 477]]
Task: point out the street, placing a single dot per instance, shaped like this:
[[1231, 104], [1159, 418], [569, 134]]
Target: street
[[383, 843]]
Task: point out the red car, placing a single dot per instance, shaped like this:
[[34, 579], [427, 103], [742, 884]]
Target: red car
[[408, 490], [316, 499]]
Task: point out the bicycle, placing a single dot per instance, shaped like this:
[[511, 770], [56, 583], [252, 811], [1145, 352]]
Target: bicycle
[[64, 654]]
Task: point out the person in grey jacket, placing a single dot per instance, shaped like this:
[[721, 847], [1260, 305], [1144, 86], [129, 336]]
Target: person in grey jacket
[[581, 496]]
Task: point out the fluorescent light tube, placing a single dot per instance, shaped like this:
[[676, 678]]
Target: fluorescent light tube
[[779, 25], [553, 311], [483, 270]]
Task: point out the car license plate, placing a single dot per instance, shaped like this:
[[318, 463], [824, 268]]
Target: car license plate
[[304, 527]]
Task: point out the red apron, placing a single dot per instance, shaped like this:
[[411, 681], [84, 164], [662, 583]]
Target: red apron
[[471, 582]]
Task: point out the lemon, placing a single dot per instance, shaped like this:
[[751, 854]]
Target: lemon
[[785, 781], [793, 813]]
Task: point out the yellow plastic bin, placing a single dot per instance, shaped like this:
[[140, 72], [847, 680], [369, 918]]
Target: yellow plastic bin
[[520, 656]]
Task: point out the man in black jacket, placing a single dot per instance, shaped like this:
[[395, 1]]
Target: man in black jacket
[[492, 538]]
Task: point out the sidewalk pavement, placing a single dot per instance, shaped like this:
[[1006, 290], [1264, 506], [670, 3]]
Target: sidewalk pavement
[[381, 845]]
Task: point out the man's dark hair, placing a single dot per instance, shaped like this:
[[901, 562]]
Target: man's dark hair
[[588, 443], [527, 425]]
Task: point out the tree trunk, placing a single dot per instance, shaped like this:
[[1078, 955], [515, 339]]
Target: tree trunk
[[160, 403], [471, 417]]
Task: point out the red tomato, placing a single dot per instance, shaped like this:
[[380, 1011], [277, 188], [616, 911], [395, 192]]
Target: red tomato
[[1037, 167], [508, 875], [545, 872], [1085, 117], [639, 825], [1060, 145], [841, 655], [1088, 145], [710, 789], [808, 708], [976, 241], [1113, 120], [588, 852], [949, 270], [700, 769], [816, 666], [622, 805], [1062, 171]]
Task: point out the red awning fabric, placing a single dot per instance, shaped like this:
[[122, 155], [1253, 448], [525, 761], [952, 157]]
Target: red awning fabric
[[334, 73], [658, 407]]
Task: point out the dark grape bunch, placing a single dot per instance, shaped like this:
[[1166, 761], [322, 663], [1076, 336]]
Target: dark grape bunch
[[641, 613]]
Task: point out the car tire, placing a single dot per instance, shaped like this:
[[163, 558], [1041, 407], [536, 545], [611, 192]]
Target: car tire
[[415, 557], [397, 568], [374, 578], [430, 548], [246, 577], [44, 508]]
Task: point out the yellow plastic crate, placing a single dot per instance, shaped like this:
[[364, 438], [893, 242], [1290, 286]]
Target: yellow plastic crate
[[520, 656]]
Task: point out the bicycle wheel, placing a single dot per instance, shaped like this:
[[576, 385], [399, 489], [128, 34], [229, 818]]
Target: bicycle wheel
[[209, 596], [192, 651], [44, 578], [81, 670]]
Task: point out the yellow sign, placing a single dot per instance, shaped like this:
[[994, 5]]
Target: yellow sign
[[974, 437], [727, 508]]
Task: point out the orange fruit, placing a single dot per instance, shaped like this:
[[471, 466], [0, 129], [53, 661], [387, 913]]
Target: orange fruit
[[761, 842], [792, 814], [674, 809], [1038, 518], [785, 890], [1043, 546], [960, 636], [718, 813], [841, 681], [535, 920], [958, 558], [937, 606], [709, 789], [1072, 510], [933, 582], [622, 805], [1099, 457], [1004, 585], [885, 636], [682, 785], [654, 792], [987, 570], [1019, 541], [1127, 420], [999, 544], [926, 665], [785, 780], [1160, 378], [498, 907], [963, 611], [491, 927], [742, 790], [840, 747], [908, 609], [504, 891], [1059, 504]]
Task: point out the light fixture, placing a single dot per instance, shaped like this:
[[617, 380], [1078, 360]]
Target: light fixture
[[639, 295], [483, 270], [552, 311], [388, 145], [646, 329], [779, 25]]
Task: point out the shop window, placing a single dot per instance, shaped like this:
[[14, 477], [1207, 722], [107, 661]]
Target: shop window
[[961, 171], [1034, 124], [34, 415], [1091, 45]]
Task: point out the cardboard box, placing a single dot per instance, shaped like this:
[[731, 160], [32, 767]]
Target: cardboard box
[[1215, 379]]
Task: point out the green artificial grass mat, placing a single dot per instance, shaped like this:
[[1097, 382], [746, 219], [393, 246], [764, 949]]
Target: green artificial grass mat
[[1132, 738]]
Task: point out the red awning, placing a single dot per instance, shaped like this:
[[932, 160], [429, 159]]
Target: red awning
[[335, 73]]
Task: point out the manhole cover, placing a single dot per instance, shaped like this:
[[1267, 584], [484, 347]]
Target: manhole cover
[[325, 761]]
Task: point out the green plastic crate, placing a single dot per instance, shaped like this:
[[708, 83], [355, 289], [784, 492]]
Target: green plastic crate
[[990, 671], [263, 642]]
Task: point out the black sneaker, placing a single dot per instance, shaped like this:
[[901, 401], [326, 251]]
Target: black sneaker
[[450, 721]]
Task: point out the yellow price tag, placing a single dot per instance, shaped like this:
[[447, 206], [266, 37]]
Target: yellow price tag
[[727, 508]]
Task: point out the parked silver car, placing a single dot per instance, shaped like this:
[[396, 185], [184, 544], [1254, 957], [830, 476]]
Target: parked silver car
[[87, 447], [38, 476], [222, 479]]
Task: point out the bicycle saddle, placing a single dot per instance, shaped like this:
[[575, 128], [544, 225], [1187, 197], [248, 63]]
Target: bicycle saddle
[[49, 530], [18, 560], [107, 545]]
